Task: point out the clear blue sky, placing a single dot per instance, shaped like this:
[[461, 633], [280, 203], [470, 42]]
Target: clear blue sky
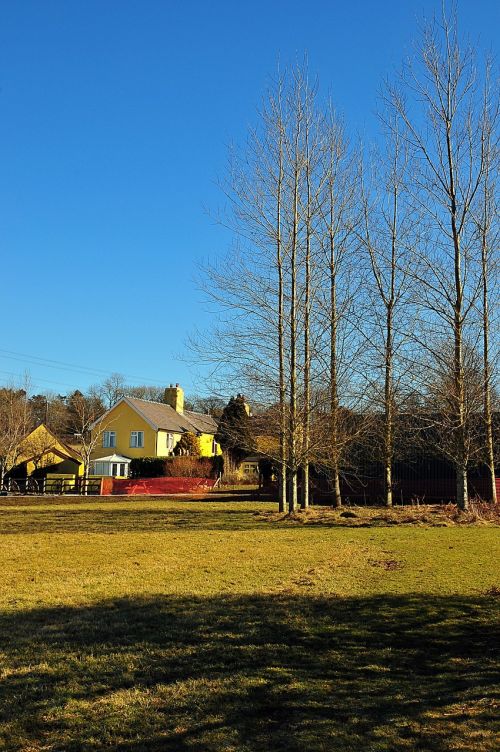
[[115, 116]]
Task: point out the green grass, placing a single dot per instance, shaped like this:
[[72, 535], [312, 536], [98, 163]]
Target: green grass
[[151, 625]]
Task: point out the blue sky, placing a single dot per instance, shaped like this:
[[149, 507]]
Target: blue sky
[[115, 118]]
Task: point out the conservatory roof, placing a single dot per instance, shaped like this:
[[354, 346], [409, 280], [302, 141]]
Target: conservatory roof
[[112, 458]]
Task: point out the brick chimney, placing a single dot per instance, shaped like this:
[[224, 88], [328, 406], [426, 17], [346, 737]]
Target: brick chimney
[[174, 396]]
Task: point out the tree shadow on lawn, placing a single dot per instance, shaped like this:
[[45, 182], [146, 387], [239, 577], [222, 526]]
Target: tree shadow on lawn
[[251, 673], [134, 519]]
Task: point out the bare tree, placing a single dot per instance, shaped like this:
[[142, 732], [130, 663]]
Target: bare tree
[[436, 106], [212, 405], [262, 288], [15, 424], [340, 287], [292, 197], [88, 429], [488, 236], [111, 390], [387, 234]]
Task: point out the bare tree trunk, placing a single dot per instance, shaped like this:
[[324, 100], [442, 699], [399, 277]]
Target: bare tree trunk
[[484, 231], [389, 345], [334, 398], [389, 411], [458, 364], [85, 488], [307, 347], [281, 337], [384, 242], [293, 500], [488, 419], [293, 422], [339, 217], [336, 484]]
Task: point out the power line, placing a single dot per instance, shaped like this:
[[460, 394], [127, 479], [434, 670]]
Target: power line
[[64, 366], [33, 382]]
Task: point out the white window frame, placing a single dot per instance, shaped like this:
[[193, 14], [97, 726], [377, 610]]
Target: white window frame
[[137, 439], [170, 443], [109, 439], [100, 468]]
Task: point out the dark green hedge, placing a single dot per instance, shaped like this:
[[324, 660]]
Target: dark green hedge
[[147, 467]]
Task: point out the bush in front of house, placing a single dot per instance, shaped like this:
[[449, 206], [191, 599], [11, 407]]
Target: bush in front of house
[[175, 467], [189, 467]]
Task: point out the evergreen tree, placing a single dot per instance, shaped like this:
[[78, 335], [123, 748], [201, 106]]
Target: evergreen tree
[[188, 444], [235, 434]]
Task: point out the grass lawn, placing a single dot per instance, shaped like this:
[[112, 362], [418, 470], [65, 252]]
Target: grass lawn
[[151, 624]]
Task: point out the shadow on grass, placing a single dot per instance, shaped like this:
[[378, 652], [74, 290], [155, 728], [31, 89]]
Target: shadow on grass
[[135, 518], [252, 673]]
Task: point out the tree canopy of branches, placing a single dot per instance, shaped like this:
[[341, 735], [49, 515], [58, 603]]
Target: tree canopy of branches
[[15, 424], [444, 108], [352, 295]]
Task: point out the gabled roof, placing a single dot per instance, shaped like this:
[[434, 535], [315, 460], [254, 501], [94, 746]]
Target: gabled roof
[[162, 417], [201, 421], [58, 447]]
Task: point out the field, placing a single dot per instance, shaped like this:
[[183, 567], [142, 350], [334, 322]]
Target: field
[[148, 624]]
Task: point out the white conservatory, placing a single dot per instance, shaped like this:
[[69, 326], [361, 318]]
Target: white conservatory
[[114, 466]]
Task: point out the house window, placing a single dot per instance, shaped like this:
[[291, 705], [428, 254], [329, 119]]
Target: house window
[[214, 447], [109, 439], [137, 439], [170, 442]]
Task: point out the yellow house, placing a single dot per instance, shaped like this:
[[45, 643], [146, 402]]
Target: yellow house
[[140, 428], [42, 452]]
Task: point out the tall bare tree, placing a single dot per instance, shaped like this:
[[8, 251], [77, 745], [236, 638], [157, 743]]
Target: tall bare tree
[[263, 288], [340, 286], [438, 109], [386, 237], [487, 216]]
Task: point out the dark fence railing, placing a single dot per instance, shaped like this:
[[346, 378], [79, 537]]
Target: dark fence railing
[[52, 486]]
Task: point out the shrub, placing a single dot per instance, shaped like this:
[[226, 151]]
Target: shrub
[[188, 444], [175, 467], [234, 479], [189, 467]]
